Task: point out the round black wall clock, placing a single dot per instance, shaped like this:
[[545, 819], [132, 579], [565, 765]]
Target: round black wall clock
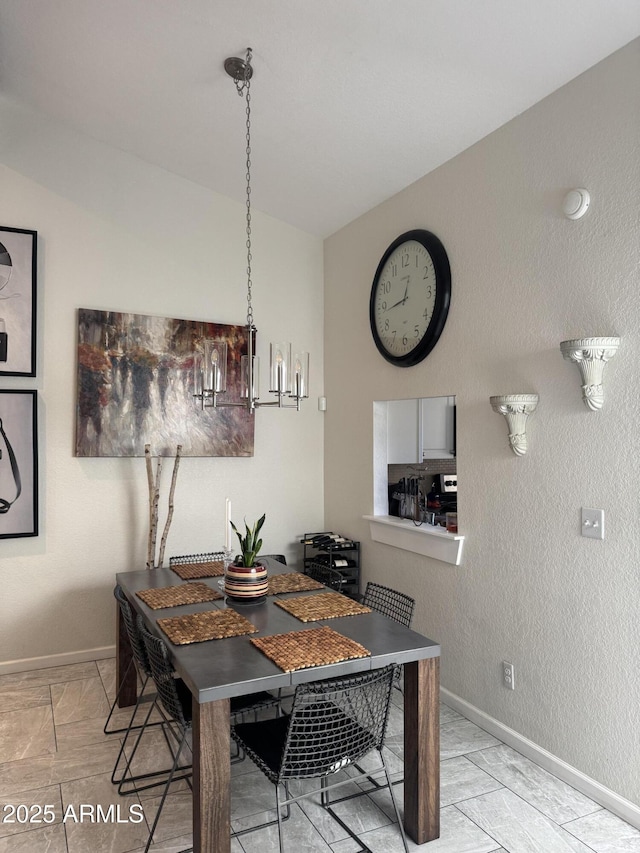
[[410, 298]]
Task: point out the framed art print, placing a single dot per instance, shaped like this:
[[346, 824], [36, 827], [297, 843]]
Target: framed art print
[[136, 387], [18, 464], [18, 254]]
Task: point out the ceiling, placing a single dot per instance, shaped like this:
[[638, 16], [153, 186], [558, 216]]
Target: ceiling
[[352, 100]]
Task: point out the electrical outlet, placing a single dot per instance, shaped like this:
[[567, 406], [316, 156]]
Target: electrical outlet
[[508, 675]]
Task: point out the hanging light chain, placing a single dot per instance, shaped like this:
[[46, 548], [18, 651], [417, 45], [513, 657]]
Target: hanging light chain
[[249, 282], [243, 87]]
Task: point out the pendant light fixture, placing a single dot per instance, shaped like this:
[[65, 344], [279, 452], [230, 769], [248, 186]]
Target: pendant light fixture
[[289, 376]]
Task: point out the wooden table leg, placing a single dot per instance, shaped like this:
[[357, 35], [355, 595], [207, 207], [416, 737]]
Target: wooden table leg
[[211, 777], [422, 749], [126, 676]]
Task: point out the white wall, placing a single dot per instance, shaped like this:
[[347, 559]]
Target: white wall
[[115, 233], [562, 608]]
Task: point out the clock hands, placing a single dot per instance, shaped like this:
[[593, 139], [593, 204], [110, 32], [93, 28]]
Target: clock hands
[[401, 302], [404, 298]]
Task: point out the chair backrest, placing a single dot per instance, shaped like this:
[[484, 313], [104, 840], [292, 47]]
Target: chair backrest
[[197, 558], [336, 722], [135, 640], [162, 674], [326, 575], [396, 605], [279, 557]]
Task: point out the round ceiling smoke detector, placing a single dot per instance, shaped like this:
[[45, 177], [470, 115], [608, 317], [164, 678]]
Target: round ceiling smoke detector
[[576, 203]]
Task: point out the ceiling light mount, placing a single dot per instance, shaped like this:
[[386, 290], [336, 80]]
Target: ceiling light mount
[[240, 69]]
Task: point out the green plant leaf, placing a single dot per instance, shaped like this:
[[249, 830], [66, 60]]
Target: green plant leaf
[[250, 544]]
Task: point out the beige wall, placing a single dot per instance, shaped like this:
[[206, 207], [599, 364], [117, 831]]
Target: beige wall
[[562, 608], [115, 233]]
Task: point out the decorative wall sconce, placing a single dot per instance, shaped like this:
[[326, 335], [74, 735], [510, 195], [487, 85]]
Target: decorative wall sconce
[[516, 408], [591, 355]]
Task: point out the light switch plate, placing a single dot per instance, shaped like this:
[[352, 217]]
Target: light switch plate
[[593, 523]]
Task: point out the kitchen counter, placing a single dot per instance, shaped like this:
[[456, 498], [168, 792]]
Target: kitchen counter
[[424, 539]]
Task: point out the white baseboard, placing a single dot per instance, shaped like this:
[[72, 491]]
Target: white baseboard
[[46, 661], [589, 787]]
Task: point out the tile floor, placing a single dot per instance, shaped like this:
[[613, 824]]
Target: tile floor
[[53, 753]]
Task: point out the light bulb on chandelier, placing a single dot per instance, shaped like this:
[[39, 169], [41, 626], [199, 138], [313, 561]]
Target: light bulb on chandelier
[[289, 378]]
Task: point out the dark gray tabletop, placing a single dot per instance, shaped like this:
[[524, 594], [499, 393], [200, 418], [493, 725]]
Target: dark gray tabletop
[[219, 669]]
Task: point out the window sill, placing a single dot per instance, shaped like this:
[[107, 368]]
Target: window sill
[[427, 540]]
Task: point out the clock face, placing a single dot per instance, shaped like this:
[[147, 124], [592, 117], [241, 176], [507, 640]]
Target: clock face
[[410, 298]]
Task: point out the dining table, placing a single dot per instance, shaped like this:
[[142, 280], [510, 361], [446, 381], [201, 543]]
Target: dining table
[[218, 669]]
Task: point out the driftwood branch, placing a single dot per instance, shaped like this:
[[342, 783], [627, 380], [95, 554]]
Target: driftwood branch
[[150, 484], [167, 525], [153, 483], [156, 501]]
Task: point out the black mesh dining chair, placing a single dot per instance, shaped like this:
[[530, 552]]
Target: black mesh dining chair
[[194, 559], [396, 605], [140, 662], [333, 724], [399, 607], [176, 701], [325, 574], [280, 558], [210, 557]]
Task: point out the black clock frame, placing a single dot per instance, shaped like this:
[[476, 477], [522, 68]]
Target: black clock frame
[[440, 309]]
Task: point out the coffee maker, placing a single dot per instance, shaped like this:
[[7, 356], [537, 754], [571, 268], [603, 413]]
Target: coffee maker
[[443, 497], [449, 490]]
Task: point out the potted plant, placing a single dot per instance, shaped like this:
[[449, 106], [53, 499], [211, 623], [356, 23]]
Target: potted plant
[[245, 579], [250, 544]]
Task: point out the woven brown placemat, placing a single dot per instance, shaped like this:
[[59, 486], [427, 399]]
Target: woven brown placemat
[[325, 605], [174, 596], [208, 625], [189, 571], [313, 647], [292, 582]]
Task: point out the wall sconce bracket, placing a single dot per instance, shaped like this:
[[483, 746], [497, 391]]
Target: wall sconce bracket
[[516, 408], [591, 355]]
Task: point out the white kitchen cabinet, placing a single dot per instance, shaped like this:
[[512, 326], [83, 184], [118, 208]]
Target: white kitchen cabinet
[[403, 440], [437, 427], [420, 429]]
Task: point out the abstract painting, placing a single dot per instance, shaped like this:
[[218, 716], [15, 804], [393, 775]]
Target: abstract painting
[[136, 385], [17, 302], [18, 464]]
